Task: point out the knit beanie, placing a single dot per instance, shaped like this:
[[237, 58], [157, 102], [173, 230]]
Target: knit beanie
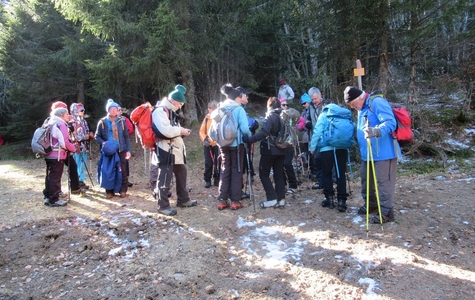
[[110, 104], [351, 93], [281, 81], [178, 94], [58, 104], [305, 98]]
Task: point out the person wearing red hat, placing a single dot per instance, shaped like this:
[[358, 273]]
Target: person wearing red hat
[[285, 91]]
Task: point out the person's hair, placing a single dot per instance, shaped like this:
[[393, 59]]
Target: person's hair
[[59, 112], [314, 90], [326, 101], [273, 103], [230, 92], [213, 104]]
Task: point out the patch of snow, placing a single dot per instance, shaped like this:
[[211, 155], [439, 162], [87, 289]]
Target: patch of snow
[[372, 284], [241, 222]]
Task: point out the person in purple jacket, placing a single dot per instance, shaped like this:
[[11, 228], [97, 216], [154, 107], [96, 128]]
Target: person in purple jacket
[[56, 159]]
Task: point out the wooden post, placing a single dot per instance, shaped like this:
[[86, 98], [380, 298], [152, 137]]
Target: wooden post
[[358, 72]]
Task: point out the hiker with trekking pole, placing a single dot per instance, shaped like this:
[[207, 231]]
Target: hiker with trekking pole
[[210, 149], [272, 157], [378, 152], [230, 126], [171, 152]]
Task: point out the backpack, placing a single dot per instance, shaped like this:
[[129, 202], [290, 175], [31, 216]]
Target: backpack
[[224, 128], [142, 119], [286, 138], [338, 128], [41, 143], [403, 133]]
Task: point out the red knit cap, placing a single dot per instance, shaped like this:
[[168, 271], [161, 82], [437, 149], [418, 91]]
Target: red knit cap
[[58, 104]]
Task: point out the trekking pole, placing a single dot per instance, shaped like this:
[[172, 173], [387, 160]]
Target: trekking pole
[[87, 170], [369, 161], [251, 192], [69, 176]]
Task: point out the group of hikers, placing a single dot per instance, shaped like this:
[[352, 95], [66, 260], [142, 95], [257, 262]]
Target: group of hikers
[[225, 164]]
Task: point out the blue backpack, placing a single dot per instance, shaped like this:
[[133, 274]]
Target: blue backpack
[[339, 128]]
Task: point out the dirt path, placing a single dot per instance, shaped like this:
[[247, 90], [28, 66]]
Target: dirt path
[[97, 248]]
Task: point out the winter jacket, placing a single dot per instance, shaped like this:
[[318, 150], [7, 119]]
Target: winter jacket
[[286, 92], [312, 116], [239, 115], [172, 150], [109, 173], [380, 115], [269, 131], [80, 129], [205, 125], [104, 130], [60, 139]]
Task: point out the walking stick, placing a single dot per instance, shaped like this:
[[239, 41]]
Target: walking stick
[[87, 170], [370, 161], [251, 192]]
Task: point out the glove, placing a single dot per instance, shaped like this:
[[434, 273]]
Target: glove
[[246, 139], [370, 132], [206, 142], [309, 125]]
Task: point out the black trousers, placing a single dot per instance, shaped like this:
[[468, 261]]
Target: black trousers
[[211, 155], [232, 163], [54, 172], [275, 162], [165, 175], [289, 169], [73, 172], [328, 162]]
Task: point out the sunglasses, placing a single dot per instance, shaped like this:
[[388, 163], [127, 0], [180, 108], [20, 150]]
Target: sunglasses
[[284, 104]]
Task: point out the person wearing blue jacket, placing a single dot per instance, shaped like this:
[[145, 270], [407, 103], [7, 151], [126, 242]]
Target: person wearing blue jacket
[[332, 157], [113, 128], [376, 123], [232, 164]]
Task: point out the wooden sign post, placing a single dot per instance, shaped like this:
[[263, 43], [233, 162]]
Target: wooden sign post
[[358, 72]]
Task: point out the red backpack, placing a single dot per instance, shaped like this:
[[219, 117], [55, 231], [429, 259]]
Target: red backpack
[[403, 133], [142, 119]]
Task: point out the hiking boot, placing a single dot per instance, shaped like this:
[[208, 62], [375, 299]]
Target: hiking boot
[[385, 219], [341, 205], [235, 205], [76, 192], [57, 203], [281, 203], [244, 195], [167, 211], [189, 203], [123, 194], [328, 202], [317, 186], [208, 184], [222, 204], [129, 184], [269, 203], [290, 191], [110, 195], [83, 185], [62, 195], [362, 210]]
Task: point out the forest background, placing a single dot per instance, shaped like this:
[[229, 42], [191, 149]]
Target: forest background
[[136, 51]]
